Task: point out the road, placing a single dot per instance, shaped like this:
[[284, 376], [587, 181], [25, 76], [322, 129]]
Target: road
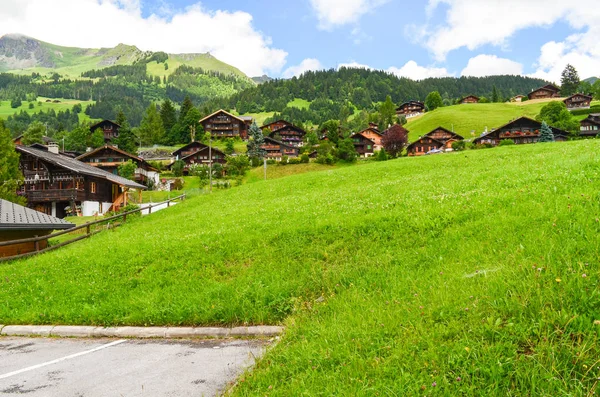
[[121, 367]]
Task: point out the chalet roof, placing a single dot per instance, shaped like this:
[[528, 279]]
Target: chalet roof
[[469, 96], [579, 94], [181, 149], [423, 137], [240, 118], [360, 133], [276, 122], [213, 150], [267, 138], [455, 135], [555, 131], [288, 127], [115, 149], [16, 217], [550, 87], [375, 130], [247, 118], [78, 167], [94, 126], [410, 103]]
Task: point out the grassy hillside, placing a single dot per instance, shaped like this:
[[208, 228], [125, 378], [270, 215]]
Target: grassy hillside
[[204, 61], [395, 278], [6, 110]]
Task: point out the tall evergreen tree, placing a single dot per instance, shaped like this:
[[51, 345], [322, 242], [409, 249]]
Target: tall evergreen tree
[[387, 112], [168, 115], [126, 140], [186, 105], [151, 130], [495, 96], [10, 175], [569, 80], [546, 134], [257, 140]]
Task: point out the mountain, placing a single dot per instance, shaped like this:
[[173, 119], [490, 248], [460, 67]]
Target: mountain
[[21, 54], [591, 80], [262, 79]]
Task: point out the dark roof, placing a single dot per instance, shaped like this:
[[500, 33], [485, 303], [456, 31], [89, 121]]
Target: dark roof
[[267, 138], [276, 122], [423, 137], [360, 133], [195, 143], [550, 87], [116, 149], [375, 130], [469, 96], [78, 167], [411, 102], [288, 127], [455, 135], [240, 118], [16, 217], [555, 131], [94, 126], [579, 94], [213, 151]]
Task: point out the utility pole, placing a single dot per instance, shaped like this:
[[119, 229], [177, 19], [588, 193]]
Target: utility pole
[[210, 164]]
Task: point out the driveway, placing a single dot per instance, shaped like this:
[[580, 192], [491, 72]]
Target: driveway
[[122, 367]]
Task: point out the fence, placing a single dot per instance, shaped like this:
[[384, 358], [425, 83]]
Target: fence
[[89, 229]]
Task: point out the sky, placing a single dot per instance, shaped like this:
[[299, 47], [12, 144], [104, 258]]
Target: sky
[[415, 39]]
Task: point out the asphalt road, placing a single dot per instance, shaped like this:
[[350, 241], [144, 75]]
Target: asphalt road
[[121, 367]]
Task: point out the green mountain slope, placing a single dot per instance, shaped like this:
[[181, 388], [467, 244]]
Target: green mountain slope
[[24, 55], [472, 273]]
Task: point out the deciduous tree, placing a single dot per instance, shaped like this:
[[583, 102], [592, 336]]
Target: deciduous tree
[[34, 134], [127, 170], [394, 140], [433, 101]]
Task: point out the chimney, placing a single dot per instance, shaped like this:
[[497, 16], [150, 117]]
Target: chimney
[[53, 148]]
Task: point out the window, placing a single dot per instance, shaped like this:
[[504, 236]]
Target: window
[[93, 187]]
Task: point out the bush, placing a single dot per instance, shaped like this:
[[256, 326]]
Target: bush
[[284, 160], [255, 162], [271, 162], [15, 103], [325, 159], [506, 142], [304, 158], [294, 161], [459, 145], [381, 155], [177, 168], [177, 184]]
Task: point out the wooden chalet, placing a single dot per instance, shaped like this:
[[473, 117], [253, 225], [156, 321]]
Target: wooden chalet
[[522, 130], [374, 135], [109, 158], [276, 149], [275, 125], [411, 109], [517, 98], [438, 139], [578, 101], [290, 135], [590, 126], [469, 99], [547, 91], [109, 129], [54, 182], [19, 223], [222, 124], [364, 146], [197, 153]]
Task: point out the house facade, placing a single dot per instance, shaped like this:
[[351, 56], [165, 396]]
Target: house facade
[[108, 128], [411, 109], [268, 128], [275, 150], [469, 99], [374, 135], [109, 158], [364, 146], [289, 135], [590, 126], [19, 223], [578, 101], [522, 130], [57, 184], [198, 154], [438, 139], [222, 124], [547, 91]]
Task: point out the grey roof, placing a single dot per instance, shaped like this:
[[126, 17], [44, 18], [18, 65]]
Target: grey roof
[[16, 217], [78, 166]]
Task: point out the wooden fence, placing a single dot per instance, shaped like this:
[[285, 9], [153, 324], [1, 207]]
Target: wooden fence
[[87, 228]]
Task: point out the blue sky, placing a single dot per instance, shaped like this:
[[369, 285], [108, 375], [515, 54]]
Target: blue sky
[[422, 39]]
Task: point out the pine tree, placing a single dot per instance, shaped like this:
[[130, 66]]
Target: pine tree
[[126, 140], [168, 116], [569, 81], [151, 129], [10, 176], [185, 108], [546, 134], [257, 140], [387, 112], [495, 96]]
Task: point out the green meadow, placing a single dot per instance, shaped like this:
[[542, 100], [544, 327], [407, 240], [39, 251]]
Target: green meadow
[[470, 273], [42, 105]]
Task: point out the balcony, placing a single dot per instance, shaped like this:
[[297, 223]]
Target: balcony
[[36, 196]]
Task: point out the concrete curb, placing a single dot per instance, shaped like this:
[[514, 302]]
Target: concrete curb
[[68, 331]]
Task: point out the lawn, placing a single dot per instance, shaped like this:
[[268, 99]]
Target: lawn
[[276, 171], [470, 273], [299, 103], [471, 120], [42, 105]]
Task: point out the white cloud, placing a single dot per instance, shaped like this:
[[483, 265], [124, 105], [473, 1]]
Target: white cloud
[[413, 71], [334, 13], [491, 65], [304, 66], [229, 36], [354, 65], [472, 24]]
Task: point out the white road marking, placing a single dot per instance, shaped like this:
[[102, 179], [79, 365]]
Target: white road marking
[[58, 360]]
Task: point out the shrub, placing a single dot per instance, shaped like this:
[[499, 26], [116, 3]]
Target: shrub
[[271, 162], [459, 145], [284, 160], [294, 161], [304, 158], [506, 142], [177, 168], [177, 184]]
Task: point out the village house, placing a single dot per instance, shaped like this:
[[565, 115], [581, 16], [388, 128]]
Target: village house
[[578, 101], [469, 99], [364, 146], [518, 98], [275, 125], [438, 139], [109, 129], [109, 158], [19, 223], [547, 91], [197, 153], [56, 184], [373, 134], [522, 130], [411, 109], [290, 135], [222, 124], [590, 126], [275, 150]]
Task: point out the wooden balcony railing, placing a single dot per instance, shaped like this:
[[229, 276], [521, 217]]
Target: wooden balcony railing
[[55, 195]]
